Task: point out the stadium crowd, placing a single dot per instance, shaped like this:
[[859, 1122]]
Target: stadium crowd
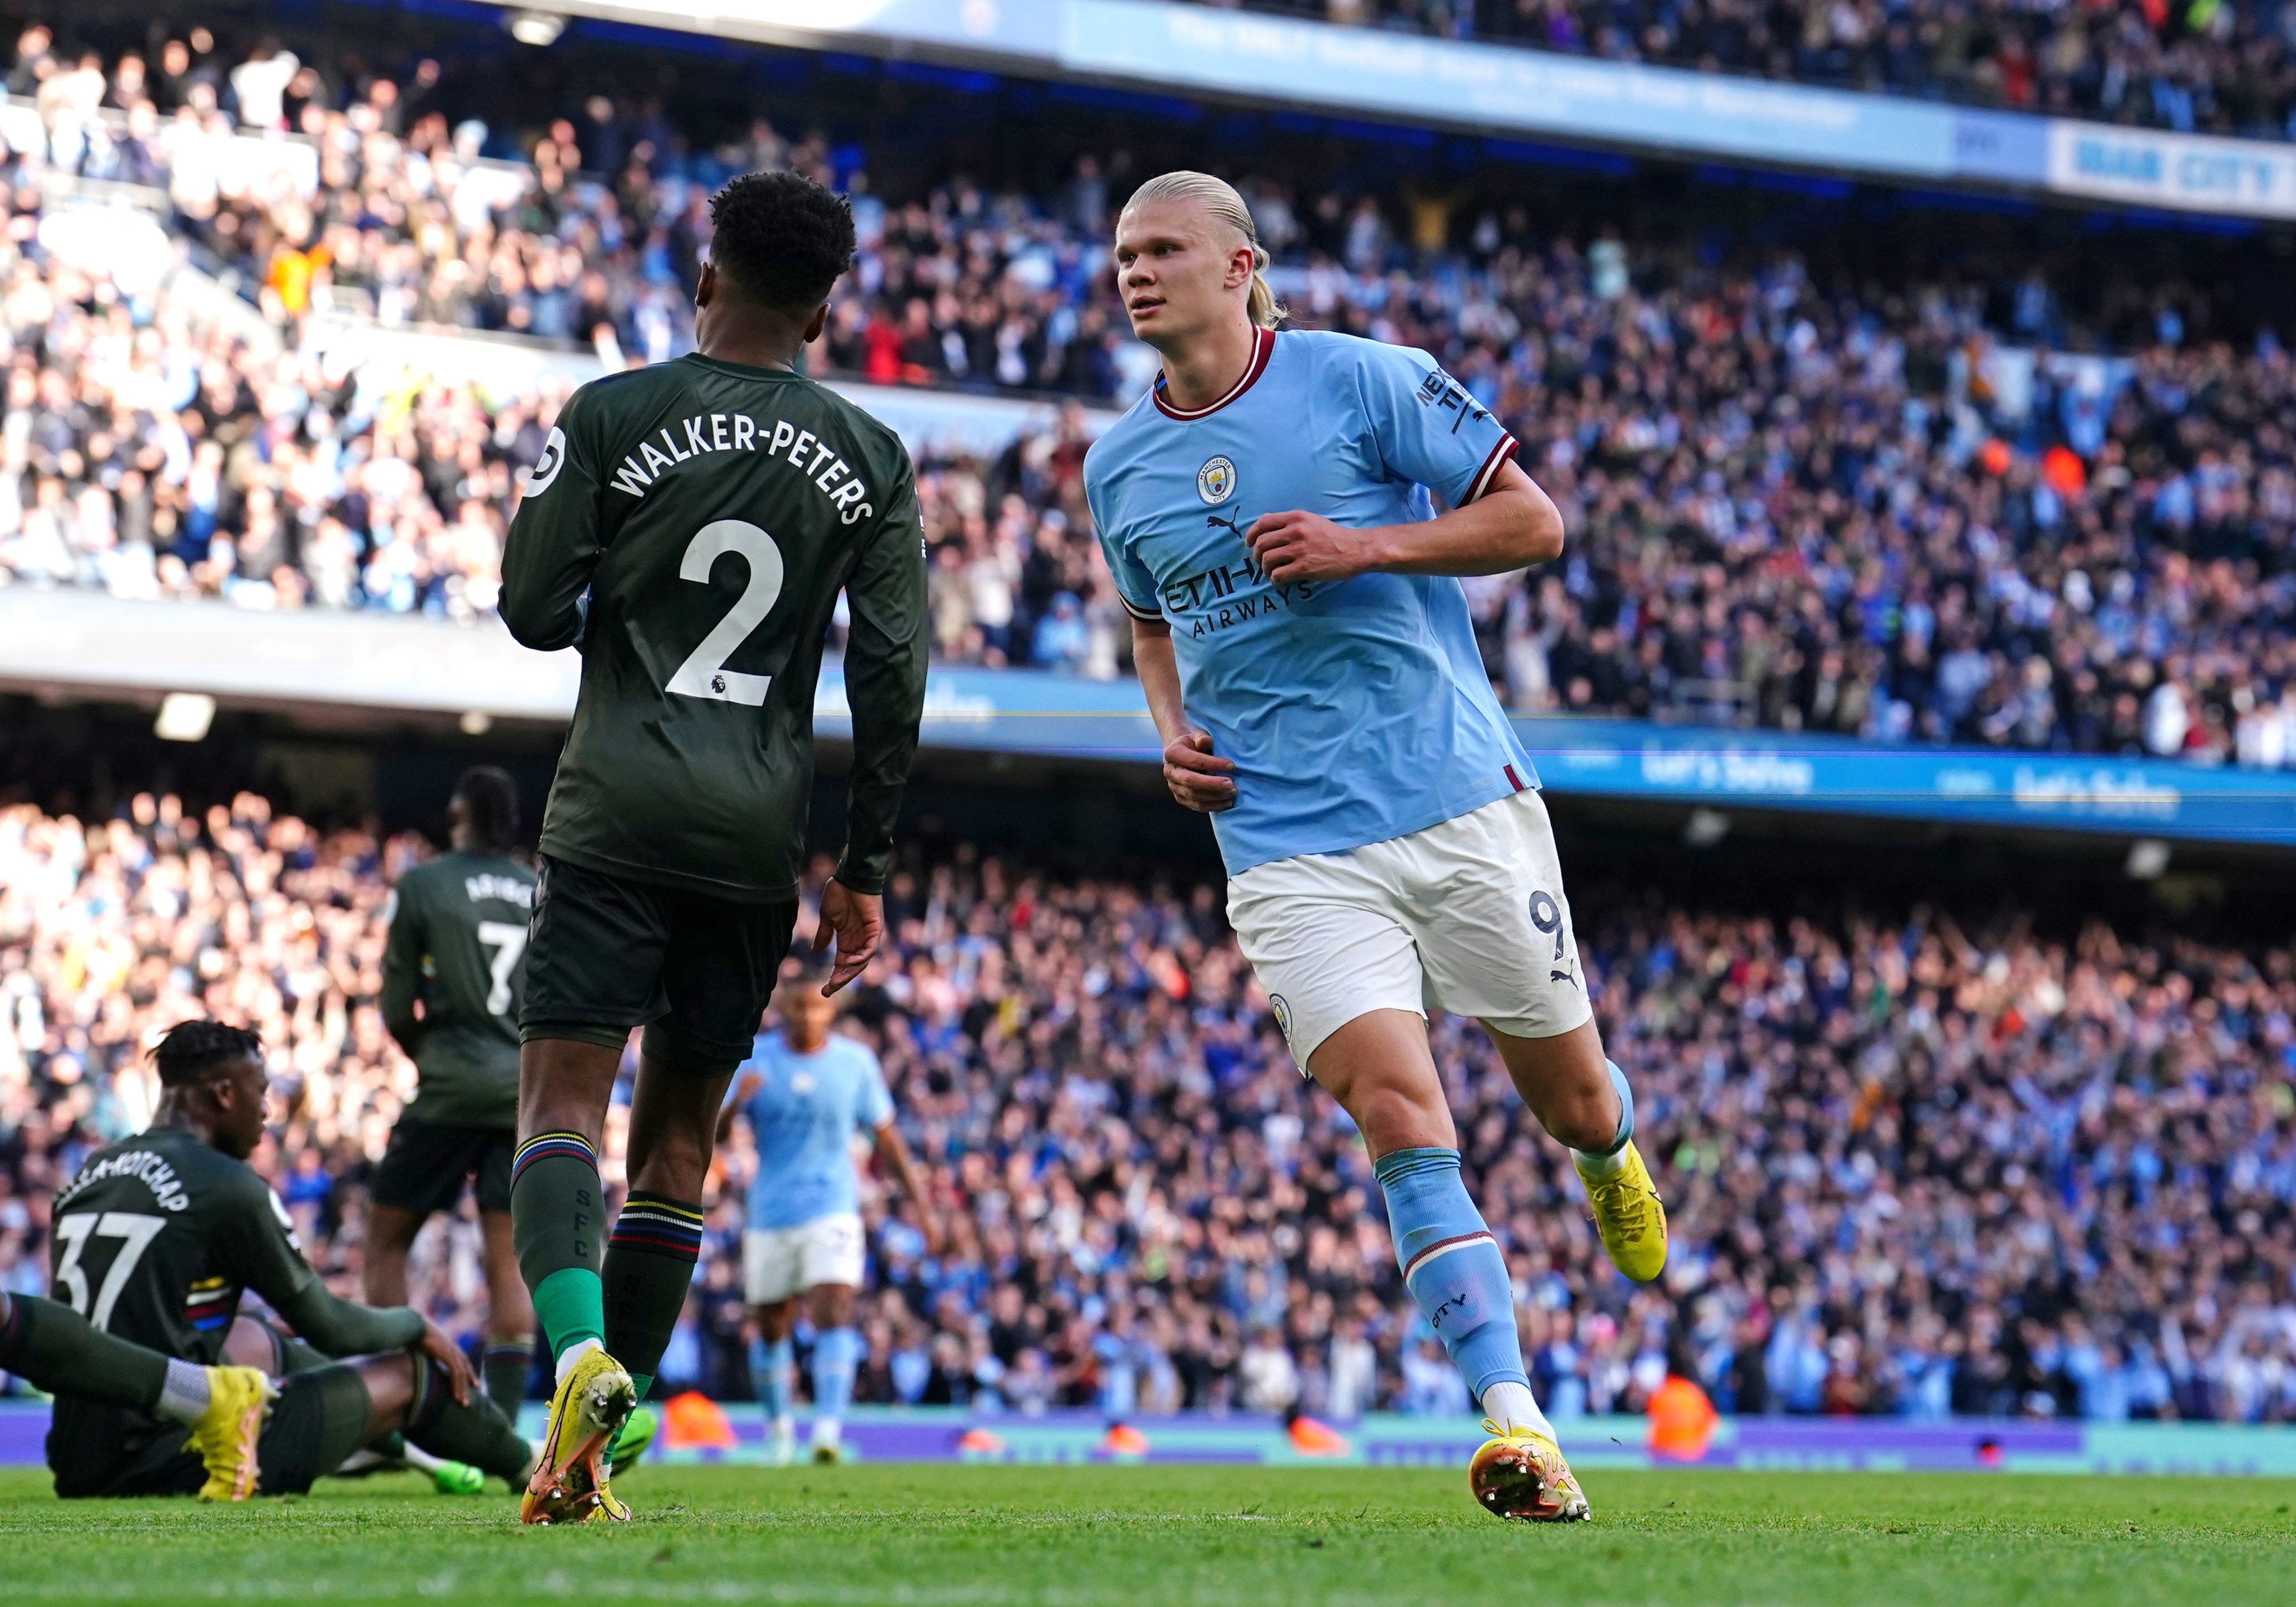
[[1914, 1165], [2206, 66], [1788, 507]]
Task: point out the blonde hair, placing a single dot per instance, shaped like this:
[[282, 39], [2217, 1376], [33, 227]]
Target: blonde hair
[[1218, 198]]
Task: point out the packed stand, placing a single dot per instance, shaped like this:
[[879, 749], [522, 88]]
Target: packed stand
[[1914, 1167], [1787, 508], [2206, 67]]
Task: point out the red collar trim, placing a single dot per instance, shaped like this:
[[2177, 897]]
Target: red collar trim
[[1263, 348]]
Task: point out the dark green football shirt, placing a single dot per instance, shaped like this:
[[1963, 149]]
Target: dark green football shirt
[[713, 511], [458, 944], [155, 1239]]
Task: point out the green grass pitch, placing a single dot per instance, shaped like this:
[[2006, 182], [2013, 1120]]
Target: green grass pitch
[[1136, 1537]]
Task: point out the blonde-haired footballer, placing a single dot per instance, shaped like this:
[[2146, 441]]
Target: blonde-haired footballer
[[1268, 510]]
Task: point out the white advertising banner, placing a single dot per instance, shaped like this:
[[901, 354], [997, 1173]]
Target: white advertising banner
[[2192, 173]]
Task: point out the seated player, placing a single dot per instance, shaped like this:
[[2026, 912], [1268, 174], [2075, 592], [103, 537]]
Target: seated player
[[807, 1092], [54, 1349], [156, 1238], [454, 974]]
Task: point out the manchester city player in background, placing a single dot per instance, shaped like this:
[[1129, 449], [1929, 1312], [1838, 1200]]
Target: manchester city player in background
[[1307, 655], [807, 1092], [689, 526]]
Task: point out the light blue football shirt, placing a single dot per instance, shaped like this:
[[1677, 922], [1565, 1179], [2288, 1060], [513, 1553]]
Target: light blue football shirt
[[1354, 712], [804, 1115]]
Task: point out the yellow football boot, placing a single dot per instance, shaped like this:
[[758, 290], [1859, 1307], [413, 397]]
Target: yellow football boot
[[588, 1409], [1629, 1215], [1519, 1473], [239, 1400]]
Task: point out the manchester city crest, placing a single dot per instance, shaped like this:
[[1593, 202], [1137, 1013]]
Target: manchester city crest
[[1282, 1009], [1216, 480]]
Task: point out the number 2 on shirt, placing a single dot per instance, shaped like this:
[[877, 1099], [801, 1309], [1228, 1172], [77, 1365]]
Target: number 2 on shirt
[[704, 675]]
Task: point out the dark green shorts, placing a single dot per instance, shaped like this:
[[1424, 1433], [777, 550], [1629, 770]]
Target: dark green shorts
[[605, 954], [427, 1163], [319, 1419]]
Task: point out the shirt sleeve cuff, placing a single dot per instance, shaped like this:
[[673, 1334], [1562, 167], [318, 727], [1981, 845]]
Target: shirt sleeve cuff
[[1134, 609], [1489, 472]]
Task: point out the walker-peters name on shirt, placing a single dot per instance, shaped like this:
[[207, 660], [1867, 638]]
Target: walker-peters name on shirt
[[2248, 178]]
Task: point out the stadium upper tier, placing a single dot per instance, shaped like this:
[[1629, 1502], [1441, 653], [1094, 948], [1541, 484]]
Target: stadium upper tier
[[2212, 67], [1788, 505], [1914, 1162], [2158, 105]]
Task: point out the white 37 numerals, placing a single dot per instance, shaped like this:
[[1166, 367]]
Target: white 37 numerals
[[704, 675], [135, 1232]]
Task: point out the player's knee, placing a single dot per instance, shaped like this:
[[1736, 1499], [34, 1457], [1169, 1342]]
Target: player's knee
[[389, 1379], [1585, 1119], [1393, 1118]]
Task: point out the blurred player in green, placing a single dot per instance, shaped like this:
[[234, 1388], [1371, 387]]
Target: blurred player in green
[[454, 975], [689, 527], [156, 1238]]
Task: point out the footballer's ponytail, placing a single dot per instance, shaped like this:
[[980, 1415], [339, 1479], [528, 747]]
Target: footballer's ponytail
[[1217, 197], [1265, 310]]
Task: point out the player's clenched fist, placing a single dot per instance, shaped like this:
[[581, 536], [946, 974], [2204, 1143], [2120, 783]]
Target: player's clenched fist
[[1200, 779], [1299, 545]]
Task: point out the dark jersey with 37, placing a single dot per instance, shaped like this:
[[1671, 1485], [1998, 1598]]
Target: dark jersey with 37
[[156, 1238]]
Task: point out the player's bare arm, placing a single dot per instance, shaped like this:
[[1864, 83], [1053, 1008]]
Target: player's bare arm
[[1511, 525], [744, 1087], [894, 1155], [1198, 779]]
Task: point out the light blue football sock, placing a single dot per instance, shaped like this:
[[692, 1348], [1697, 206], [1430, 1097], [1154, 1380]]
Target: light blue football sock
[[836, 1353], [772, 1369], [1452, 1265], [1601, 1163]]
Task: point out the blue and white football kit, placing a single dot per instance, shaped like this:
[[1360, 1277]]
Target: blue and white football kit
[[1387, 849], [804, 1227], [804, 1224]]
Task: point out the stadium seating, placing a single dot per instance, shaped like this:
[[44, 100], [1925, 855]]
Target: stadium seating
[[1788, 508], [2211, 68], [1914, 1167]]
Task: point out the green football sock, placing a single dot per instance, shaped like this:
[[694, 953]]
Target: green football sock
[[571, 1307], [558, 1221], [649, 1269], [54, 1349]]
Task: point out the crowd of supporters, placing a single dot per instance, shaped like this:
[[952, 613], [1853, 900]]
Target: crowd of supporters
[[2204, 65], [1787, 507], [1914, 1165]]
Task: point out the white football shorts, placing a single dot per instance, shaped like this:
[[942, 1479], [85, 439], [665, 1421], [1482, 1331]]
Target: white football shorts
[[1468, 916], [778, 1262]]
